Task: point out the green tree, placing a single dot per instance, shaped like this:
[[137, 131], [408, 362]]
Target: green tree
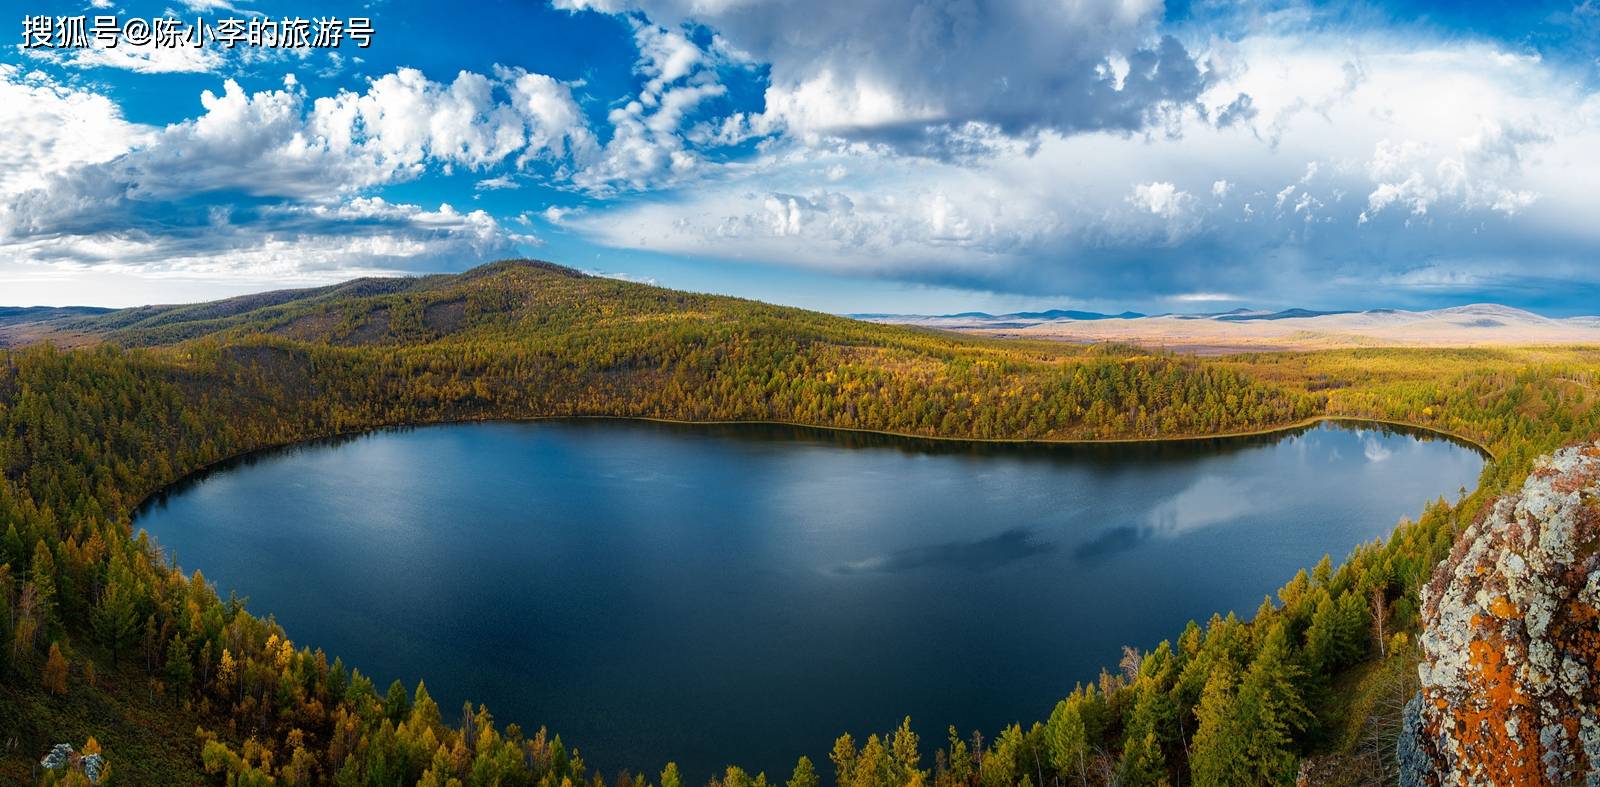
[[179, 669], [1142, 762], [805, 775], [1070, 733], [43, 574], [397, 702], [1217, 750], [1270, 710], [116, 619], [670, 777]]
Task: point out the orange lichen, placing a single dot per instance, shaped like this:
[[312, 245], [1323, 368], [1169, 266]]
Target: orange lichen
[[1483, 724], [1501, 704], [1502, 608]]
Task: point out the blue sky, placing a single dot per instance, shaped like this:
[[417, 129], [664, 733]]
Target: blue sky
[[844, 155]]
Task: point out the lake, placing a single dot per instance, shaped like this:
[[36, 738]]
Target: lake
[[749, 592]]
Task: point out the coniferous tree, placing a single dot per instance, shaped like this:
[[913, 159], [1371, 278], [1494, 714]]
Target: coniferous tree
[[670, 777], [116, 619], [1217, 749], [805, 775], [42, 572], [1269, 710], [178, 669]]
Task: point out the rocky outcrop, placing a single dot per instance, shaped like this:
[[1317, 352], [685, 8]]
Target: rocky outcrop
[[1511, 641]]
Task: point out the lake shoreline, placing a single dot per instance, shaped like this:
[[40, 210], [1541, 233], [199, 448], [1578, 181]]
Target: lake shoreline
[[233, 460], [589, 559]]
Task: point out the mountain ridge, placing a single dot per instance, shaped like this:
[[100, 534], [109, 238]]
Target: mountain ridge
[[1243, 330]]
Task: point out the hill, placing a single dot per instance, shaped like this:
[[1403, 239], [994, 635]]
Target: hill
[[103, 637]]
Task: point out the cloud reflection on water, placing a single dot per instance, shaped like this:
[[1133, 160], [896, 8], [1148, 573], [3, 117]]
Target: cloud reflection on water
[[1009, 546], [1209, 501]]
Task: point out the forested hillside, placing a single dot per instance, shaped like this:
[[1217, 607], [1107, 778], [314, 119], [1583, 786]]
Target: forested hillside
[[100, 634]]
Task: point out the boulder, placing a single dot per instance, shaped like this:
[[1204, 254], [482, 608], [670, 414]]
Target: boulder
[[1511, 640]]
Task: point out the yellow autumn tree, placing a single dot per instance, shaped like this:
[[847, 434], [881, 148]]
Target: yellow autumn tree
[[55, 670]]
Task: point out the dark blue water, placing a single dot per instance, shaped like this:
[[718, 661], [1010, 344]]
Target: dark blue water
[[712, 594]]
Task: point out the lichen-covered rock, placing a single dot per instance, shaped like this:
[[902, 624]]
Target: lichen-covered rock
[[1511, 640], [1412, 752]]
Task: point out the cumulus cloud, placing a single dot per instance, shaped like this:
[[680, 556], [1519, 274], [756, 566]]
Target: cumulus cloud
[[144, 57], [270, 144], [51, 128], [1016, 146], [299, 242], [260, 182], [649, 146], [839, 68], [1161, 199], [1480, 172], [1469, 160]]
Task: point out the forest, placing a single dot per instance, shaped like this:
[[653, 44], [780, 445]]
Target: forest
[[107, 644]]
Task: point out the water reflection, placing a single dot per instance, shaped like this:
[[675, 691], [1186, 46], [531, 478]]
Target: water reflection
[[984, 554], [774, 585]]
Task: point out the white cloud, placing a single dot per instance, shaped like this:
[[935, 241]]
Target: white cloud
[[902, 70], [143, 58], [1047, 162], [404, 118], [317, 242], [1161, 198], [96, 191], [624, 276], [1375, 451], [49, 129], [555, 123], [497, 183], [558, 215], [1438, 133], [649, 148]]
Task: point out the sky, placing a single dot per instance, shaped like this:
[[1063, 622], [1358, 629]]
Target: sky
[[923, 156]]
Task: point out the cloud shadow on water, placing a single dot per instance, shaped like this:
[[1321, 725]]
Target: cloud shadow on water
[[1118, 539], [985, 554]]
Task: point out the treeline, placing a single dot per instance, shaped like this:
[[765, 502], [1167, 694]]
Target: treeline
[[97, 623]]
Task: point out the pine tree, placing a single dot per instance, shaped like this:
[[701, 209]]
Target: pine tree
[[1217, 750], [1067, 737], [1269, 711], [843, 757], [13, 546], [179, 670], [805, 775], [1142, 762], [905, 755], [115, 619], [43, 574], [397, 702], [670, 777]]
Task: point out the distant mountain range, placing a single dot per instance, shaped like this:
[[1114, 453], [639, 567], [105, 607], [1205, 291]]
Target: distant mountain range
[[1245, 329], [15, 314], [1215, 332], [1052, 314]]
